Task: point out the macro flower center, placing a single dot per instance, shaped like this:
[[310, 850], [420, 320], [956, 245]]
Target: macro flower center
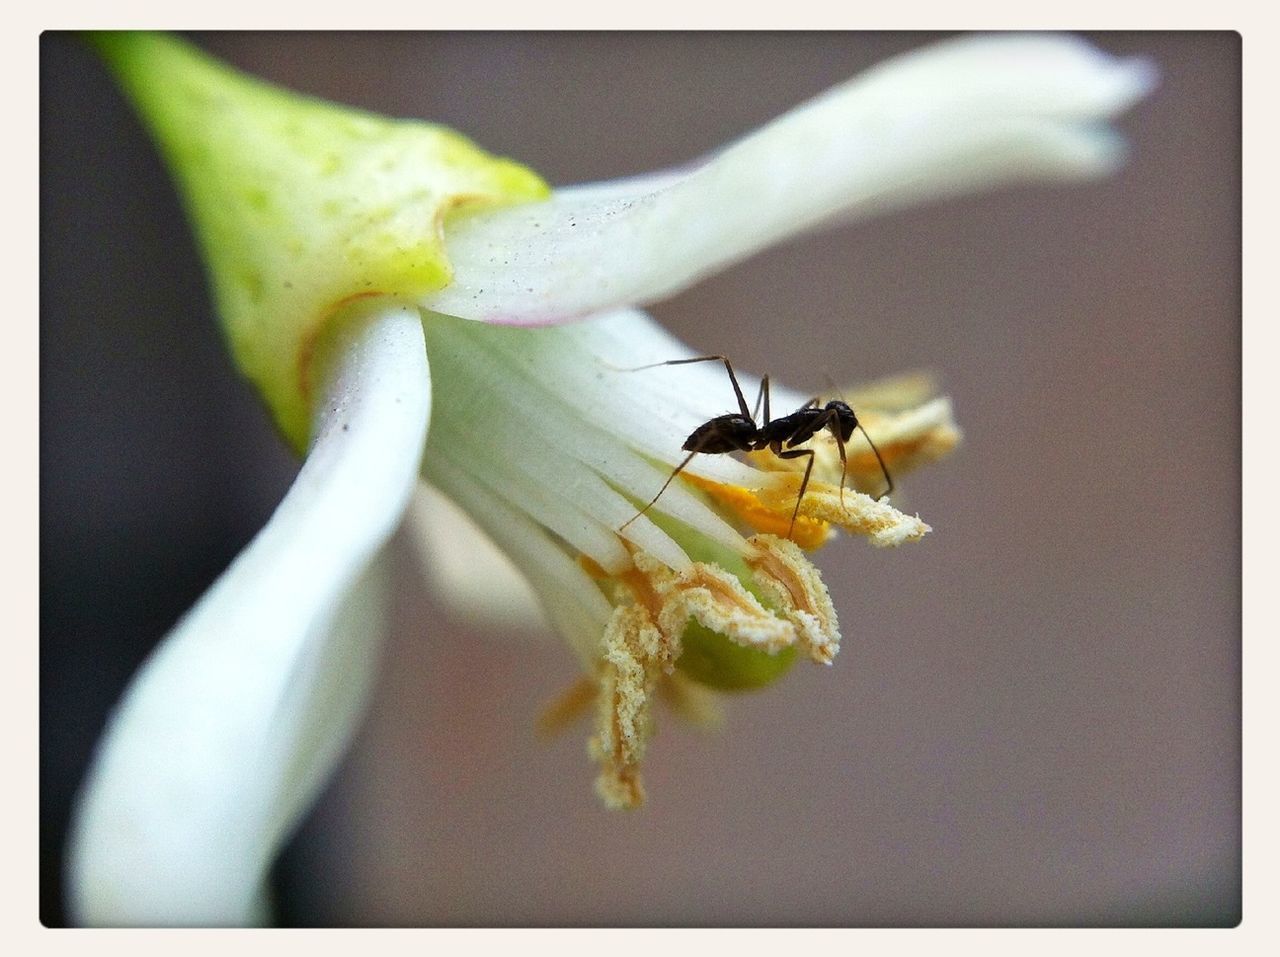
[[663, 577]]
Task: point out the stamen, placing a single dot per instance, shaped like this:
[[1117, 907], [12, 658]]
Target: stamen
[[633, 648], [893, 393], [717, 601], [746, 504], [643, 640], [915, 437], [794, 584], [880, 522], [568, 707], [769, 511]]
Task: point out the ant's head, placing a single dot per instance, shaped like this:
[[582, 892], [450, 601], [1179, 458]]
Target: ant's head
[[845, 419]]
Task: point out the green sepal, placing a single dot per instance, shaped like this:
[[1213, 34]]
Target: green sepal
[[301, 206]]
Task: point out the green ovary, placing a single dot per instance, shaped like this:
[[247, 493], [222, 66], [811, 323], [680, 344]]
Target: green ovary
[[711, 659]]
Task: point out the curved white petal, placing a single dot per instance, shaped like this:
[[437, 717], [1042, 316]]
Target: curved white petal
[[568, 597], [231, 726], [468, 573], [960, 115], [544, 420]]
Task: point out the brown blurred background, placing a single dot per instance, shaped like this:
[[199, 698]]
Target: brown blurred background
[[1035, 716]]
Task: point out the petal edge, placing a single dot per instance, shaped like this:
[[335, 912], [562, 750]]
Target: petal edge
[[230, 727]]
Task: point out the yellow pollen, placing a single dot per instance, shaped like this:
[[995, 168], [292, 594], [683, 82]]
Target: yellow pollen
[[643, 640], [787, 577], [767, 517], [633, 652], [854, 511]]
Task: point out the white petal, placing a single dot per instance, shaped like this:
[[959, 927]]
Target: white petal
[[569, 598], [961, 115], [544, 419], [468, 573], [232, 725]]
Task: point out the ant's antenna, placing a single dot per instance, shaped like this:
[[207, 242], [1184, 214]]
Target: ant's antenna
[[733, 379]]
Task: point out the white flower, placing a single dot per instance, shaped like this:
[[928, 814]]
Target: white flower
[[550, 446]]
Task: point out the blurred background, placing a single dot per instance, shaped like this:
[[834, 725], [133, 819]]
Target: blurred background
[[1035, 715]]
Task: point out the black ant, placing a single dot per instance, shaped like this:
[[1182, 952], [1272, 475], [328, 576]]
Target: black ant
[[738, 432]]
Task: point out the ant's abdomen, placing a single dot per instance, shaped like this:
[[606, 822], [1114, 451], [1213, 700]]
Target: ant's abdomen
[[727, 433]]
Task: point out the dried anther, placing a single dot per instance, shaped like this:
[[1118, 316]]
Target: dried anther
[[628, 674], [643, 641], [794, 585], [856, 512]]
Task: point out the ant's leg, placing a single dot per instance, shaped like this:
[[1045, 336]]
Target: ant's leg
[[844, 461], [804, 483], [678, 469], [737, 390], [887, 477], [763, 394], [829, 420]]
